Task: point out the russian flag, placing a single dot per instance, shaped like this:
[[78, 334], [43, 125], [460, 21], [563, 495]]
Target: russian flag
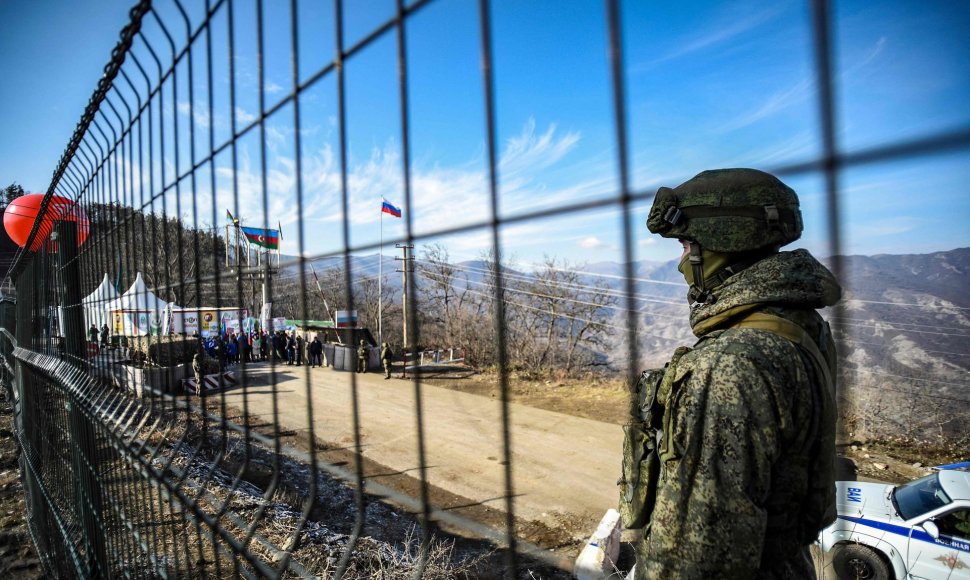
[[388, 208]]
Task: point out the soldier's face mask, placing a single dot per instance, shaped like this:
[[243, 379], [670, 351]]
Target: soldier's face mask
[[711, 263]]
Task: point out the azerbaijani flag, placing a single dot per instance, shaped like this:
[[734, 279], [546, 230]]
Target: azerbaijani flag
[[386, 207], [265, 238], [231, 219]]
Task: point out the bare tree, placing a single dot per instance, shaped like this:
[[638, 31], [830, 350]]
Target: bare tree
[[444, 291], [567, 318], [177, 260]]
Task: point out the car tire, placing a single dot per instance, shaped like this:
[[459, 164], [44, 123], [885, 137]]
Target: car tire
[[858, 562]]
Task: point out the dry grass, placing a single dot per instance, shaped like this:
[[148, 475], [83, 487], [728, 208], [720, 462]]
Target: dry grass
[[251, 494]]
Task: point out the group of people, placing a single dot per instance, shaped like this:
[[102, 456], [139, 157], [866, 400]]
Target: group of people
[[104, 335], [291, 348], [363, 356], [234, 348], [294, 349]]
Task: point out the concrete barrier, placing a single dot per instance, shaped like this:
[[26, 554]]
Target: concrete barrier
[[598, 558]]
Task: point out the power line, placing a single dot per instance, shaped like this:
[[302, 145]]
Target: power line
[[566, 316], [916, 394], [681, 284], [611, 276], [540, 295], [596, 289], [901, 330], [905, 304], [638, 297], [857, 370], [509, 273], [862, 320], [607, 291], [884, 346]]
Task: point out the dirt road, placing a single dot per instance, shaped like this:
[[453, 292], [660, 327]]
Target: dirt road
[[564, 468]]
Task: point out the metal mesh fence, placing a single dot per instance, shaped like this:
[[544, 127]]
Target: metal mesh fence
[[131, 469]]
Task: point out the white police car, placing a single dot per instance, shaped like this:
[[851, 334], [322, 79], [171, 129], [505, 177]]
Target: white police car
[[920, 529]]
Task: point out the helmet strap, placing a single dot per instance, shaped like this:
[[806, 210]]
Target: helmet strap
[[698, 291], [701, 291]]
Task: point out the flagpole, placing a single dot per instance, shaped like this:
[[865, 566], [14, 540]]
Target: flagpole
[[380, 282]]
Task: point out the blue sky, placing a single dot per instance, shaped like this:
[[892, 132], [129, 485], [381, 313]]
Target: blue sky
[[710, 84]]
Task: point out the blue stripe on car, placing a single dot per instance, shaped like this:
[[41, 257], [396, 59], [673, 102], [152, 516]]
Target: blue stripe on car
[[918, 534]]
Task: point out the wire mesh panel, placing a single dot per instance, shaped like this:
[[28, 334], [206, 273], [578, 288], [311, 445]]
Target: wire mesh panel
[[186, 337]]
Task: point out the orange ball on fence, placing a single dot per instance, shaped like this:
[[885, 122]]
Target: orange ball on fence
[[20, 215]]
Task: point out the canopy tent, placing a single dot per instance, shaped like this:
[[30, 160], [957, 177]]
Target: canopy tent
[[138, 311], [95, 304]]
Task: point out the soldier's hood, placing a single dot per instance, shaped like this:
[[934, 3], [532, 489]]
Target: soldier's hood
[[788, 279]]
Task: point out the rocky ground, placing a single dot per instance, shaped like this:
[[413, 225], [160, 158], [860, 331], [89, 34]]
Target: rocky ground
[[17, 556]]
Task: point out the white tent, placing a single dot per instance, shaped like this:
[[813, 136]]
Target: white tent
[[95, 305], [138, 311]]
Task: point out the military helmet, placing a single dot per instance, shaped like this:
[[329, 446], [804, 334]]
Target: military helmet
[[728, 210]]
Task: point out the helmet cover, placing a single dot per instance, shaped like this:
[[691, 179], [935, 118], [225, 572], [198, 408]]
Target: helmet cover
[[728, 210]]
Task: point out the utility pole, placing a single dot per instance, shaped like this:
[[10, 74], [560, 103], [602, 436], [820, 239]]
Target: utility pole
[[322, 295], [407, 267]]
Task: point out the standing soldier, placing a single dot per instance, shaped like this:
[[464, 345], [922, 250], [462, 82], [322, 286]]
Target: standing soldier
[[93, 333], [362, 357], [730, 459], [104, 335], [197, 369], [386, 356]]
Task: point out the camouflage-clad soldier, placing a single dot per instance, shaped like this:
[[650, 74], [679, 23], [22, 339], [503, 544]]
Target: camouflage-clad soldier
[[746, 455], [362, 357], [386, 356], [197, 369]]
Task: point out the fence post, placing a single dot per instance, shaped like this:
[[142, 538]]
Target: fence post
[[84, 457], [28, 407]]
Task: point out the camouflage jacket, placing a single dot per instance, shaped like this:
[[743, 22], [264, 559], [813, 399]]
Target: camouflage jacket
[[742, 433]]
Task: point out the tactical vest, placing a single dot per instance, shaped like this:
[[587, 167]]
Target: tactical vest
[[645, 445]]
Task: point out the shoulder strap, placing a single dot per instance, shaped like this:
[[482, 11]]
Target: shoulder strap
[[793, 332], [818, 510]]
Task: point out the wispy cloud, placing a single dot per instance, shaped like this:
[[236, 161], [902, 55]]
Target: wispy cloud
[[442, 197], [715, 35], [887, 227], [869, 56], [528, 152], [244, 116], [199, 113], [800, 145], [797, 92]]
